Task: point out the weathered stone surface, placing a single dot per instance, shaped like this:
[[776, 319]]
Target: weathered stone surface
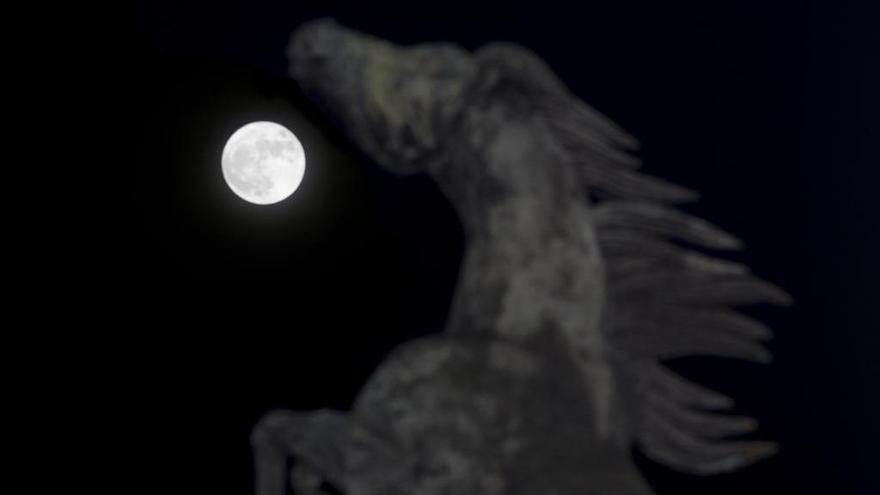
[[549, 370]]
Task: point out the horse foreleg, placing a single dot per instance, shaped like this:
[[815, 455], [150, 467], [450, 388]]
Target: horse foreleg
[[315, 439]]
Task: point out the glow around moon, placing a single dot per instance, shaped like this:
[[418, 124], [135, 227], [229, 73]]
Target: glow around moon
[[263, 162]]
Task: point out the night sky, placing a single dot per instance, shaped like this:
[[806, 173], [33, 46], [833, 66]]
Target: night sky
[[218, 310]]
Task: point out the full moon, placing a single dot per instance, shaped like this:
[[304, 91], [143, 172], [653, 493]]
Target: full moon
[[263, 163]]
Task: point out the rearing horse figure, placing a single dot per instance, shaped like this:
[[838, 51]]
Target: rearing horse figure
[[576, 283]]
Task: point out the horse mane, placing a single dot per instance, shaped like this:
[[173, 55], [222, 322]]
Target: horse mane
[[664, 298]]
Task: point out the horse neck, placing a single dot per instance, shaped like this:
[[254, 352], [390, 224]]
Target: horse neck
[[531, 258]]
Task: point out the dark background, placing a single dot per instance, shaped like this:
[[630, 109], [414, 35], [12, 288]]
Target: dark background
[[213, 310]]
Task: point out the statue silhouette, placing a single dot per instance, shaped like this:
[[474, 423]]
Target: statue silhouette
[[580, 276]]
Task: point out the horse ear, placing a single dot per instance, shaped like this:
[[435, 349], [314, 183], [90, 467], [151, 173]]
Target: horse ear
[[515, 66]]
